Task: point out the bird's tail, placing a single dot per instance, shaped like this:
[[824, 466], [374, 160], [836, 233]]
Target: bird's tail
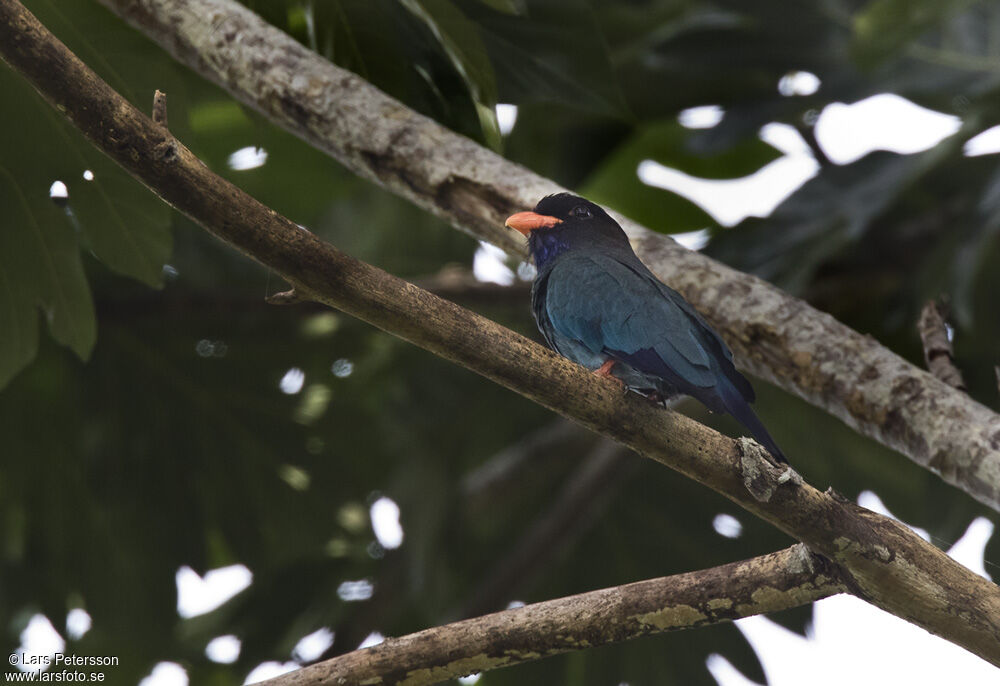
[[737, 406]]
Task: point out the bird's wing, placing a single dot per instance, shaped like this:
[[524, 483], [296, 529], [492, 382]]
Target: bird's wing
[[613, 308], [706, 335]]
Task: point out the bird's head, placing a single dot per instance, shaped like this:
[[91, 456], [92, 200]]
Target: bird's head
[[554, 210], [565, 221]]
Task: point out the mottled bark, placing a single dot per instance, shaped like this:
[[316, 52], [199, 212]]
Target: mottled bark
[[775, 336], [882, 561], [781, 580]]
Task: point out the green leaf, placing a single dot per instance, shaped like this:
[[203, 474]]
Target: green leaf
[[460, 40], [505, 6], [555, 53], [616, 183], [974, 251], [124, 225], [40, 263], [17, 316], [885, 26], [831, 211]]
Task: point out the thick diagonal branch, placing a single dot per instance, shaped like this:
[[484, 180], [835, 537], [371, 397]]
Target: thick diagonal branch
[[886, 563], [775, 336]]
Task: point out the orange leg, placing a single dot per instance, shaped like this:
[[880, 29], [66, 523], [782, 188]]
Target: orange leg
[[604, 371]]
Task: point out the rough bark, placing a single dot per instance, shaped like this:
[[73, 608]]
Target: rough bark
[[776, 337], [781, 580], [883, 561]]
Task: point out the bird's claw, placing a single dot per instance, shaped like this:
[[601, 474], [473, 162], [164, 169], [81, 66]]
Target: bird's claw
[[604, 371]]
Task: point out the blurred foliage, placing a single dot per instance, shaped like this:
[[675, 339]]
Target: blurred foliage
[[172, 444]]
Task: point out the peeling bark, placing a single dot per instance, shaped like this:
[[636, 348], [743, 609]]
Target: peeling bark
[[776, 337]]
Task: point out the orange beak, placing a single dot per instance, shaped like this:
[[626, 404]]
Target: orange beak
[[526, 222]]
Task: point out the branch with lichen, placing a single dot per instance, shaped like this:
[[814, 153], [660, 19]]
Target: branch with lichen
[[778, 581]]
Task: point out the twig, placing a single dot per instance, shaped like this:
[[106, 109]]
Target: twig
[[381, 609], [160, 108], [938, 351], [791, 577], [292, 297], [882, 560], [581, 500], [776, 337], [808, 133], [480, 489], [459, 283], [505, 469]]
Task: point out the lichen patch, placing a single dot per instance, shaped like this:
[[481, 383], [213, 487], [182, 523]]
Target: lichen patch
[[671, 617]]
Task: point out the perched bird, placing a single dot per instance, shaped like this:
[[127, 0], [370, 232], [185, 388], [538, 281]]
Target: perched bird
[[598, 305]]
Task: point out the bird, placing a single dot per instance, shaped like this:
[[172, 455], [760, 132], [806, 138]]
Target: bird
[[598, 305]]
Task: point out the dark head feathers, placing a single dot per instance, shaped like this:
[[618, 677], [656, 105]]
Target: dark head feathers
[[566, 206]]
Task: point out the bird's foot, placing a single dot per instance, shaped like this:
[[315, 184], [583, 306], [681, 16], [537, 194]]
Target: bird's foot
[[604, 371], [656, 398]]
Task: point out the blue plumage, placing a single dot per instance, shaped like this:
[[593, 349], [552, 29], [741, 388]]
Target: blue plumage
[[596, 304]]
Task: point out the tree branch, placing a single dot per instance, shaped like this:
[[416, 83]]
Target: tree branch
[[774, 336], [938, 353], [768, 583], [530, 454], [883, 561], [460, 284], [160, 108]]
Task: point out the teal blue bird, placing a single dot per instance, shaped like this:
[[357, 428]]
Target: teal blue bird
[[598, 305]]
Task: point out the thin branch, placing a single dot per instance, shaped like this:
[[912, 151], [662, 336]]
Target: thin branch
[[460, 284], [381, 609], [505, 469], [292, 297], [480, 490], [808, 133], [774, 336], [583, 497], [769, 583], [938, 352], [882, 560], [160, 108]]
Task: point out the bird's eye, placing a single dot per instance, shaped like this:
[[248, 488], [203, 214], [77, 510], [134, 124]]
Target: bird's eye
[[581, 211]]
